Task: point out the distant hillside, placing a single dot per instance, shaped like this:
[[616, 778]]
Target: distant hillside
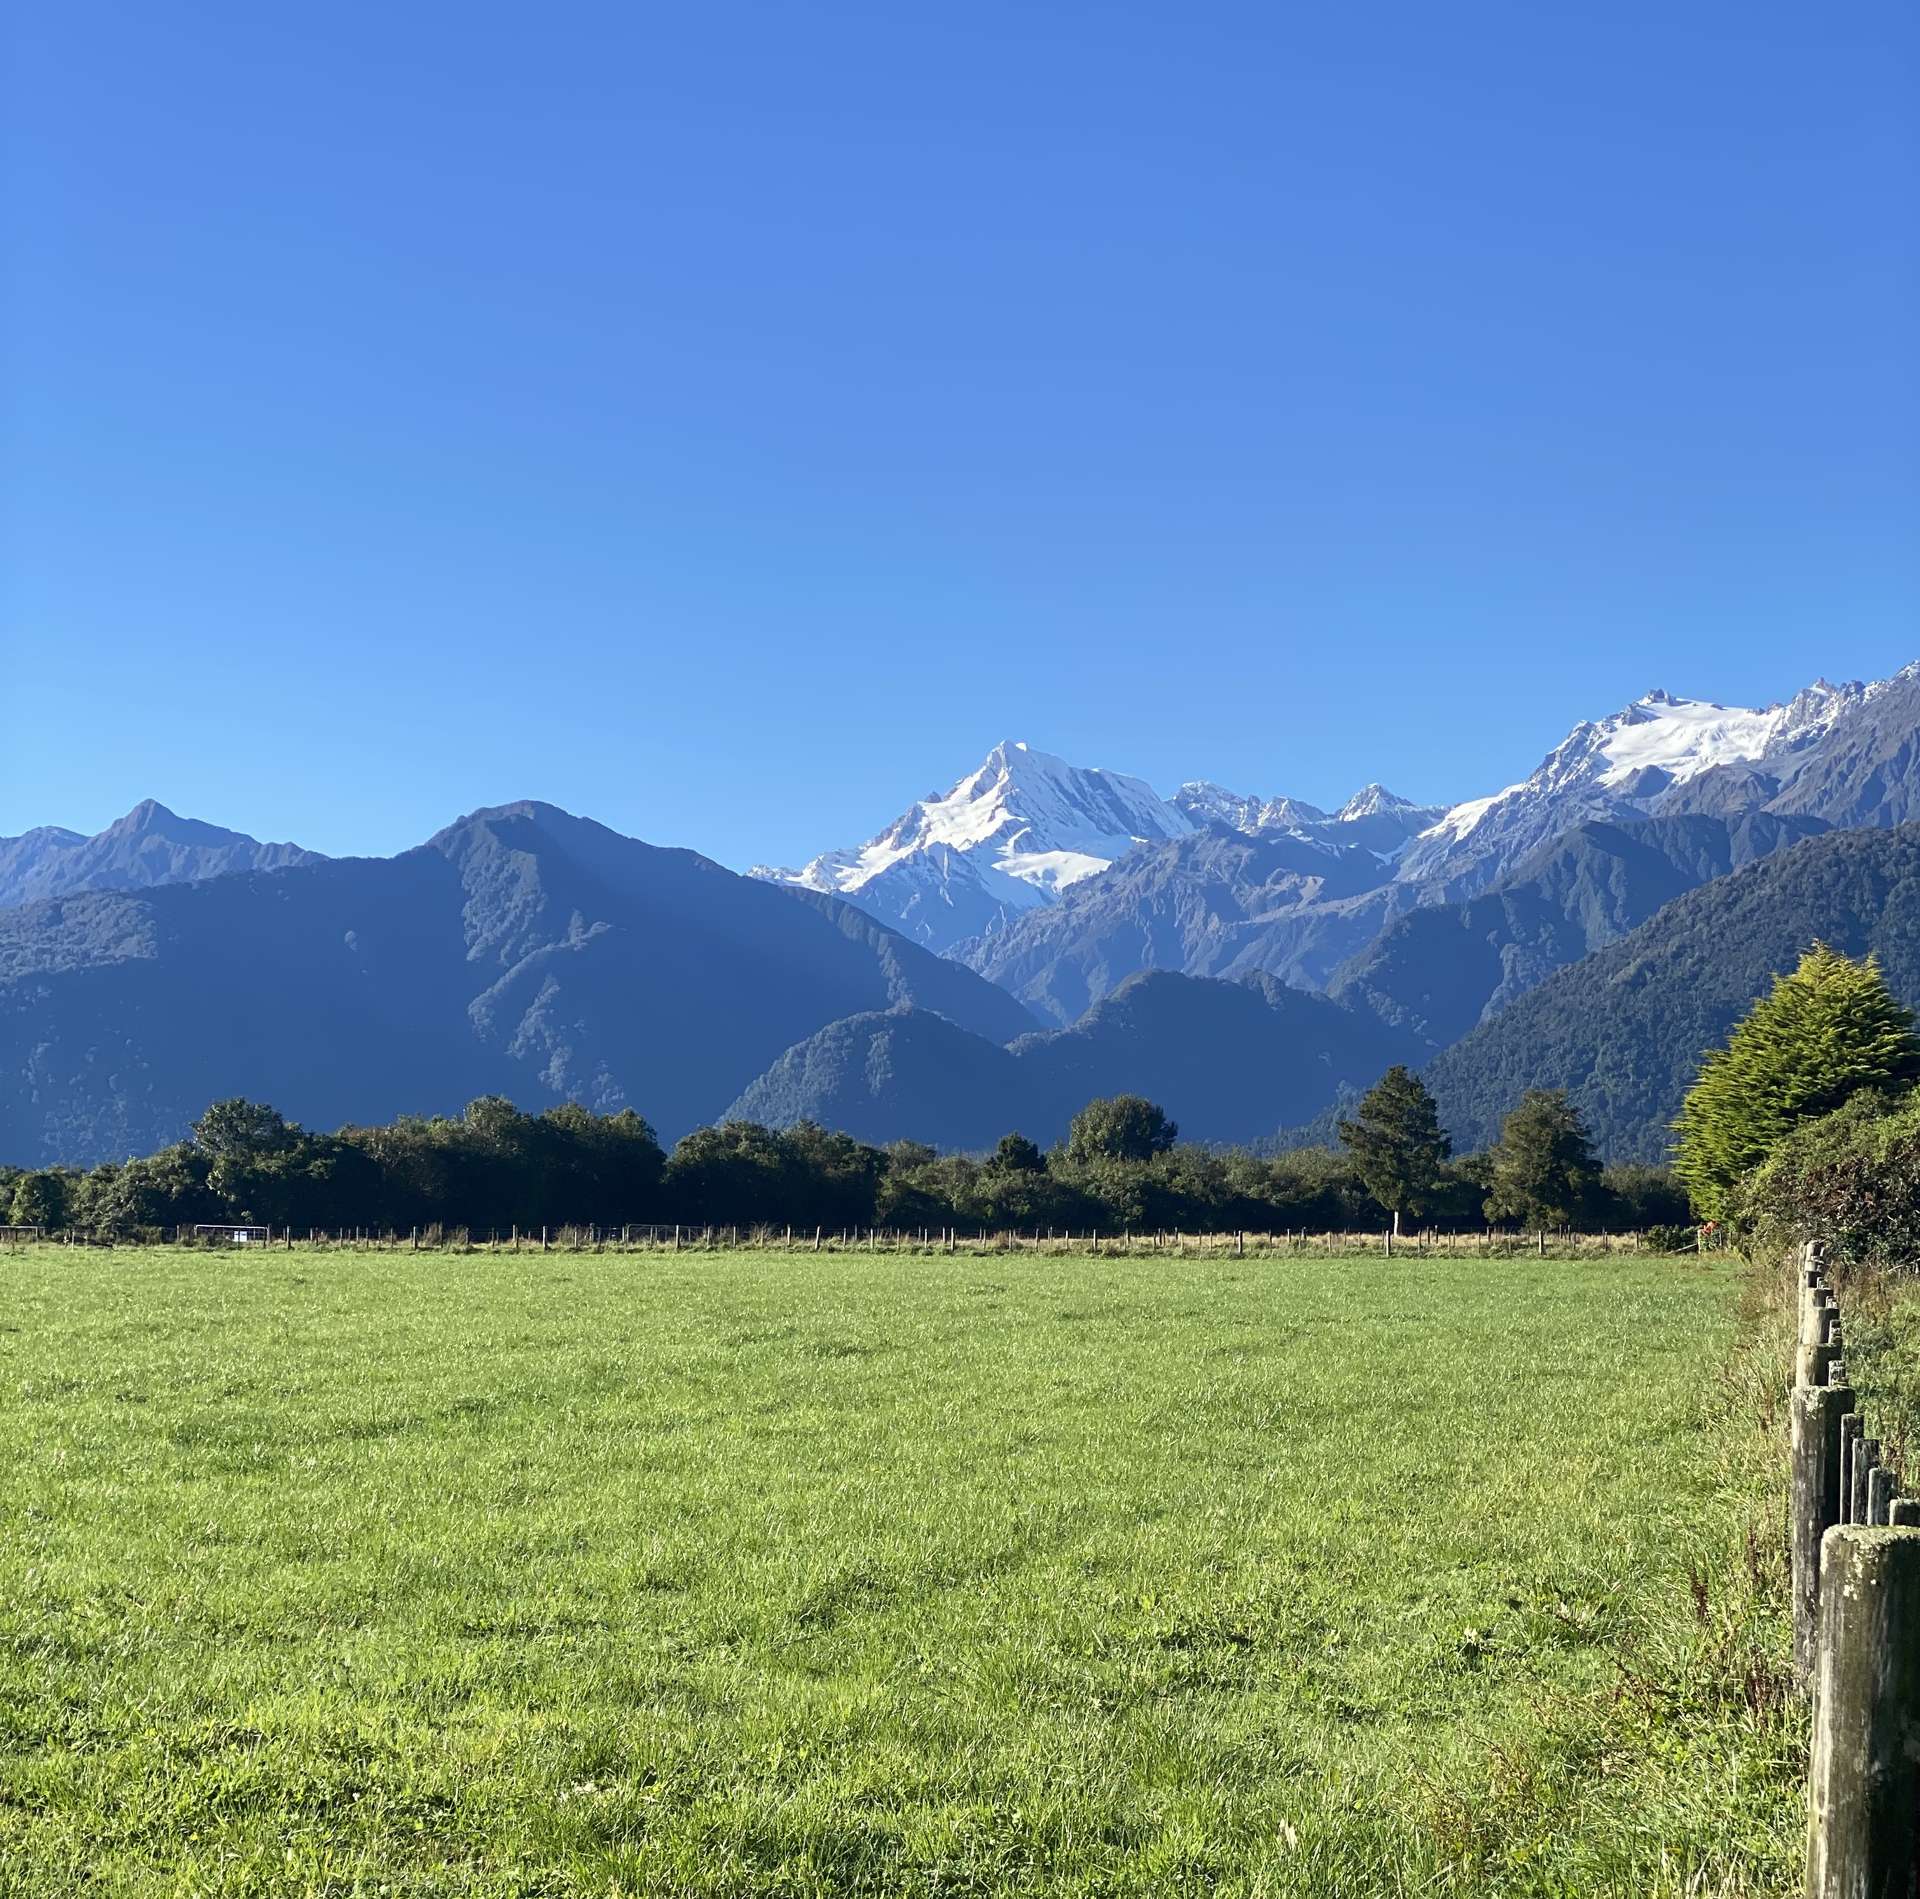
[[1231, 1061], [1441, 970], [148, 847], [1212, 904], [1624, 1029], [521, 951]]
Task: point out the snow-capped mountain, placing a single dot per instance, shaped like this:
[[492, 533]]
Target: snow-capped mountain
[[1004, 844], [1627, 766], [1025, 826], [1012, 834], [1374, 818], [1208, 803]]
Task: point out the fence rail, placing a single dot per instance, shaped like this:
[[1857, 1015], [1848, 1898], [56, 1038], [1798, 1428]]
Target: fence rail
[[1856, 1620]]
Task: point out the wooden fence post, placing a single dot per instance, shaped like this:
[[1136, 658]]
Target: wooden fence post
[[1863, 1831], [1866, 1454], [1879, 1494], [1817, 1412], [1849, 1445]]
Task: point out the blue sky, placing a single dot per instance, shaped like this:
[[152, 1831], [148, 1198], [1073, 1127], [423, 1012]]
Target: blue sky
[[730, 420]]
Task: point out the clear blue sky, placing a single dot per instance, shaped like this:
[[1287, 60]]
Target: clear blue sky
[[729, 420]]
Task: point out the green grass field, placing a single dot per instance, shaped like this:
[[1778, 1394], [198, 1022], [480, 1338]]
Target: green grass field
[[589, 1574]]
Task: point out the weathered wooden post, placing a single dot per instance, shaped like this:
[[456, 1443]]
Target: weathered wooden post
[[1863, 1831], [1866, 1453], [1816, 1418], [1879, 1494], [1849, 1444], [1811, 1363], [1904, 1513]]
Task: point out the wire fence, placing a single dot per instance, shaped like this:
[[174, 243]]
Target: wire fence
[[1130, 1242]]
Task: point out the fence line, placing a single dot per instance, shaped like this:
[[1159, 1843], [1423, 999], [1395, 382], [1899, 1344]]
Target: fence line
[[1856, 1620], [1291, 1242]]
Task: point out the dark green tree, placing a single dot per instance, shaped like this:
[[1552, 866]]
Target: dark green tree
[[1542, 1171], [1119, 1128], [164, 1189], [1399, 1149], [733, 1174], [1017, 1155], [42, 1199], [1822, 1034], [242, 1129]]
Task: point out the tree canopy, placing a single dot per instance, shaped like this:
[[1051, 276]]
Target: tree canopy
[[496, 1166], [1398, 1146], [1119, 1128], [1542, 1171], [1822, 1034]]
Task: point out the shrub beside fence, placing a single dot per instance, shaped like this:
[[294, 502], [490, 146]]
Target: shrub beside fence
[[1856, 1622]]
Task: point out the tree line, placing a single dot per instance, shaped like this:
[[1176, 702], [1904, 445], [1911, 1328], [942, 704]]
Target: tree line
[[1122, 1165]]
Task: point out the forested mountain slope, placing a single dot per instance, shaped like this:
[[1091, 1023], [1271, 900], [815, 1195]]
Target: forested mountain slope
[[1443, 968], [522, 951], [1624, 1029], [1230, 1061]]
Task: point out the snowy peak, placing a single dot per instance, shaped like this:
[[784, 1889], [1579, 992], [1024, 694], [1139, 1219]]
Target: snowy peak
[[1027, 803], [1025, 826], [1617, 767], [1370, 801], [1018, 829], [1208, 803]]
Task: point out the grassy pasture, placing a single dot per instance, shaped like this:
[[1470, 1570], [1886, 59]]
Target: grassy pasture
[[752, 1573]]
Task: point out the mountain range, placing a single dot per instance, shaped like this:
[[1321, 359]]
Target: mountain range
[[1039, 929], [520, 951], [148, 847], [1623, 1029]]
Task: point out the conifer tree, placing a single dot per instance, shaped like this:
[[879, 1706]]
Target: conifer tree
[[1397, 1143], [1542, 1170], [1821, 1035]]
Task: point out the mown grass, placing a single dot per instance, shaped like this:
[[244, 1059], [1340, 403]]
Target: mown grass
[[585, 1574]]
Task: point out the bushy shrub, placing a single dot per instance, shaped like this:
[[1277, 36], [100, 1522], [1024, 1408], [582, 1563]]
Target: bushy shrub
[[1677, 1237], [1851, 1178]]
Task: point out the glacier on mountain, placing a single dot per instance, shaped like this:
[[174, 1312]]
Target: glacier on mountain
[[1025, 827], [1619, 767]]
